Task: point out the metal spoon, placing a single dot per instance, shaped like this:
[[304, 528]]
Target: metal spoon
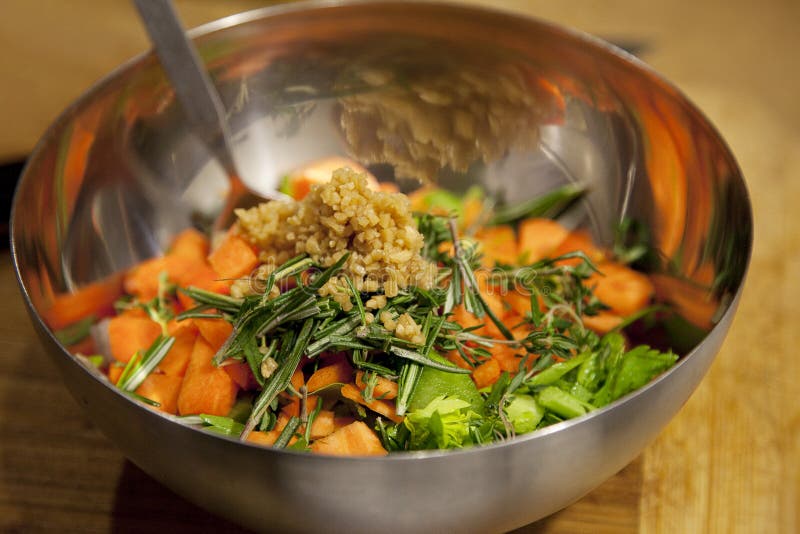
[[199, 98]]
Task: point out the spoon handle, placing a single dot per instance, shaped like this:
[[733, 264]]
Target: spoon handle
[[193, 87]]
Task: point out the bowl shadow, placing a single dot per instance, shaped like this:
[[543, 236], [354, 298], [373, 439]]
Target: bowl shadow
[[141, 504]]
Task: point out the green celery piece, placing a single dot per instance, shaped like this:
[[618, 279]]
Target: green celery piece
[[590, 374], [75, 332], [556, 371], [524, 413], [440, 198], [562, 403], [444, 423], [300, 445], [683, 336], [285, 185], [434, 383], [548, 205], [222, 425], [241, 409], [578, 391], [635, 369]]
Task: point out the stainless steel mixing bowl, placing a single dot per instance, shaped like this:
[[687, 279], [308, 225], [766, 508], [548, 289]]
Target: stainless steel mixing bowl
[[413, 91]]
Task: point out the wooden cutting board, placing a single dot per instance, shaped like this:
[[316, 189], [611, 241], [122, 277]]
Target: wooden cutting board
[[730, 460]]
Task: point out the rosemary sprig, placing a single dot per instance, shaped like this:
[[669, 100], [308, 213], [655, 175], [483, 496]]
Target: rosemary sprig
[[287, 433], [548, 205], [139, 367], [289, 357]]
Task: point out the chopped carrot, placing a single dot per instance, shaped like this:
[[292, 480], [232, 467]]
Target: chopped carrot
[[94, 299], [355, 439], [283, 419], [621, 288], [388, 187], [190, 244], [267, 439], [206, 388], [465, 318], [518, 302], [130, 334], [142, 280], [135, 311], [241, 373], [298, 380], [539, 238], [337, 373], [383, 407], [494, 300], [602, 323], [324, 424], [162, 389], [384, 388], [455, 358], [234, 258], [114, 372], [473, 208], [507, 357], [498, 244], [486, 374], [342, 421], [576, 241], [177, 359], [85, 346], [695, 304], [293, 408], [201, 275], [215, 331]]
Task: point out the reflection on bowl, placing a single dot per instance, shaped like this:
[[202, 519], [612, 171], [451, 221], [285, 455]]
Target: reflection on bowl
[[460, 95]]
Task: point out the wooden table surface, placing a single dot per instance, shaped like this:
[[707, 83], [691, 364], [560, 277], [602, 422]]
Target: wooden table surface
[[730, 460]]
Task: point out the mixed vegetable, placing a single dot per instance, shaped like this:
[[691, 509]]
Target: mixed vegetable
[[523, 328]]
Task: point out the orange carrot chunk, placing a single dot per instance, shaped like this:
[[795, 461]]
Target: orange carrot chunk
[[162, 389], [128, 334], [355, 439], [266, 439], [383, 407], [539, 238], [340, 372], [142, 281], [214, 331], [190, 244], [241, 373], [579, 240], [234, 258], [499, 244], [621, 288], [114, 372], [177, 359], [206, 389], [323, 425], [94, 299], [486, 374], [384, 388], [602, 323], [508, 357]]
